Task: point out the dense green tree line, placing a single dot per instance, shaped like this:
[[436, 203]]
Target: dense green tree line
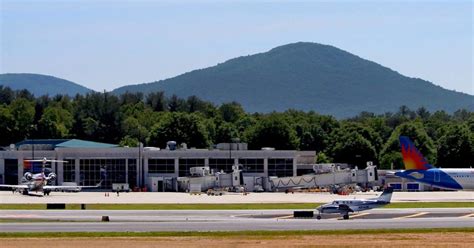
[[446, 140]]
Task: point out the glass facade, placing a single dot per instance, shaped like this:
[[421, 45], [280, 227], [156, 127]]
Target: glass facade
[[301, 172], [108, 170], [218, 165], [253, 165], [160, 165], [280, 167], [122, 166], [132, 173], [69, 170], [11, 171], [185, 164]]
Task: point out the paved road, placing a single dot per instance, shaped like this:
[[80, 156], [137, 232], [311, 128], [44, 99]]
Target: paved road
[[250, 224], [6, 197], [230, 220]]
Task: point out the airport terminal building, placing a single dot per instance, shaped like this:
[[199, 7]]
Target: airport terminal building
[[156, 169]]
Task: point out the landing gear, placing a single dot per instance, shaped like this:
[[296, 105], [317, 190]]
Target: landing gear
[[346, 216], [318, 217], [46, 192], [25, 192]]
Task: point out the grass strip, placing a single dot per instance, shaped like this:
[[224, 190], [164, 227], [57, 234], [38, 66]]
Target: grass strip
[[240, 206], [224, 234]]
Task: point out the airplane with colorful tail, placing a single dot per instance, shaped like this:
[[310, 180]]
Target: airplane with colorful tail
[[39, 182], [418, 169]]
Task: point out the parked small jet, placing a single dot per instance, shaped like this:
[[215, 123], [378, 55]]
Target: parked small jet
[[38, 182], [345, 207], [418, 169]]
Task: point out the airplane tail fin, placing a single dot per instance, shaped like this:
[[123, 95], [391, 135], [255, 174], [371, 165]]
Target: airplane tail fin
[[412, 158], [386, 196]]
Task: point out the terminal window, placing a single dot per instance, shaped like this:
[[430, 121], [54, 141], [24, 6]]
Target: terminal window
[[160, 165], [252, 165], [186, 164], [224, 164], [11, 171], [108, 170], [69, 170], [280, 167], [132, 173]]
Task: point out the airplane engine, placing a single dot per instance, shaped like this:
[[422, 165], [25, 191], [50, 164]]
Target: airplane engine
[[52, 176], [28, 176]]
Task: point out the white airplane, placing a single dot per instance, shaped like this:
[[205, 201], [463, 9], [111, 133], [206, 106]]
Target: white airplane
[[38, 182], [418, 169], [347, 206]]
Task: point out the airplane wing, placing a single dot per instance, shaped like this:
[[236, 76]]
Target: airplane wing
[[47, 160], [52, 187], [345, 207], [16, 186], [390, 173], [58, 161]]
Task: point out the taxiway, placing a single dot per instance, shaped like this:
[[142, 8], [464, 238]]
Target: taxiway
[[227, 220]]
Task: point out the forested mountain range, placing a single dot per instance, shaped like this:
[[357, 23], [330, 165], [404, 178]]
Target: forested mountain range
[[39, 85], [301, 76], [308, 76]]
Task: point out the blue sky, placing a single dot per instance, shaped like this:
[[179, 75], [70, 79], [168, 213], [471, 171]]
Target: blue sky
[[107, 44]]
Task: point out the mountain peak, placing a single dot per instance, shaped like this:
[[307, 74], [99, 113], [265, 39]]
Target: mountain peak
[[309, 76], [302, 45]]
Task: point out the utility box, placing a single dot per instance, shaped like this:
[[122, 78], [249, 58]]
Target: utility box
[[195, 188], [120, 187], [55, 206], [303, 214], [156, 184], [224, 180]]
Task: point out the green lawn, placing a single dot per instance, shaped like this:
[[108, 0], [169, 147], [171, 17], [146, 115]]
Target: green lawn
[[257, 206], [219, 234]]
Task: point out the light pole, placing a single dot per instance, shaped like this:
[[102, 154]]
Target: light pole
[[141, 165], [33, 128]]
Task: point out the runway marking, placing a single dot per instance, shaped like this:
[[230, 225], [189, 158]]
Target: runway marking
[[411, 215], [351, 216], [467, 215], [19, 216], [285, 217], [242, 215], [358, 215]]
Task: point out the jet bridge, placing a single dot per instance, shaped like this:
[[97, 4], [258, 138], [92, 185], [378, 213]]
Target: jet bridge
[[336, 177]]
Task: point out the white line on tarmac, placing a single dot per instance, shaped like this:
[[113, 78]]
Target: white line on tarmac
[[411, 215], [285, 217], [359, 215], [467, 215], [352, 216]]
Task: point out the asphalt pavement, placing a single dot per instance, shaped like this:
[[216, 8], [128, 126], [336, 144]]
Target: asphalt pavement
[[228, 220]]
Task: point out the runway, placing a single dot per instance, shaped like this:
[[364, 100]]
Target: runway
[[6, 197], [227, 220]]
